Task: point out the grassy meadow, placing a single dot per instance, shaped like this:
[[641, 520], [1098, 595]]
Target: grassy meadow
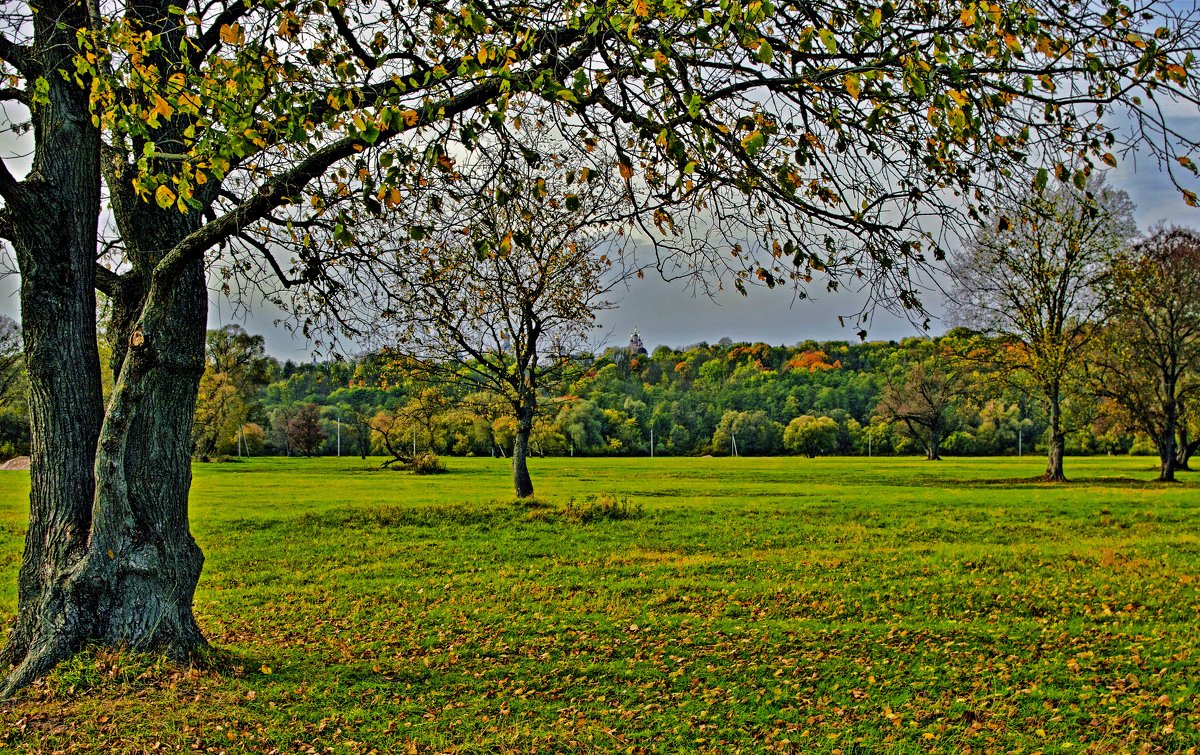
[[795, 605]]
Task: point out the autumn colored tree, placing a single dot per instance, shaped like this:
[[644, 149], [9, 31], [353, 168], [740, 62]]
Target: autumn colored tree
[[236, 366], [304, 430], [1038, 278], [1148, 362], [807, 138]]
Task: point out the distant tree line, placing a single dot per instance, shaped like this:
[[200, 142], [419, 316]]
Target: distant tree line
[[927, 396]]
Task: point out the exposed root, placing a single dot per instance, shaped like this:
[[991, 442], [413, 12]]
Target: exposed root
[[37, 662]]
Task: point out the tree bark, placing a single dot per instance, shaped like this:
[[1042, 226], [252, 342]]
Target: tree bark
[[522, 483], [53, 218], [1057, 439], [1185, 448], [933, 450], [1166, 459], [1166, 440]]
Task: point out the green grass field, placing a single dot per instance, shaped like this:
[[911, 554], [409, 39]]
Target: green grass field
[[845, 605]]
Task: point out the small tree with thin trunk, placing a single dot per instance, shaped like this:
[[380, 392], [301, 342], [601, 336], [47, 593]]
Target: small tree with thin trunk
[[1148, 360], [1036, 279], [498, 283]]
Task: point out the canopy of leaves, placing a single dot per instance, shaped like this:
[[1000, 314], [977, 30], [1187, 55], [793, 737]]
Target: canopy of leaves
[[807, 137]]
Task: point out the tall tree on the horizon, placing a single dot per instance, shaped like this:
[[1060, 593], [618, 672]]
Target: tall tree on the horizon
[[1148, 359], [1037, 279]]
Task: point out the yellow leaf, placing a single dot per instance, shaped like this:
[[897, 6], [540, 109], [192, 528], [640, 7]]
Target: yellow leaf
[[853, 85], [483, 56], [958, 97], [265, 669], [967, 17], [164, 196], [410, 117], [231, 34], [640, 8], [626, 170]]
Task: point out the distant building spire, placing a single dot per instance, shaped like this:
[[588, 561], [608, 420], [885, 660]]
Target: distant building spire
[[635, 347]]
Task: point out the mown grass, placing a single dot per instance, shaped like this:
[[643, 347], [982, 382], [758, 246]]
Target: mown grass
[[852, 605]]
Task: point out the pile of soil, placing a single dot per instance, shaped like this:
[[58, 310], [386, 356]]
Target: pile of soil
[[20, 462]]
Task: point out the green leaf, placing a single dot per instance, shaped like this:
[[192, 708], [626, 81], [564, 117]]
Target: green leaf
[[1041, 179], [754, 142], [765, 53], [828, 40]]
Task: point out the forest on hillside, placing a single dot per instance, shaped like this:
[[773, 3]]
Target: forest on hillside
[[831, 397]]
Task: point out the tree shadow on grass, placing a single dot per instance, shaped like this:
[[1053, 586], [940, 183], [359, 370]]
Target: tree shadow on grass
[[1040, 483]]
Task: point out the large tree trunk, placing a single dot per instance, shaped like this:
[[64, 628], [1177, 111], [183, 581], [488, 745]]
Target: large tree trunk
[[933, 449], [130, 580], [1166, 459], [1166, 440], [1057, 440], [109, 557], [52, 219]]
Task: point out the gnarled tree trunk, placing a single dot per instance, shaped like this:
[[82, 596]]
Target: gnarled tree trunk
[[109, 558], [52, 221]]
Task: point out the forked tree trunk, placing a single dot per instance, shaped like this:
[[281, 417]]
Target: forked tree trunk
[[129, 578], [933, 449]]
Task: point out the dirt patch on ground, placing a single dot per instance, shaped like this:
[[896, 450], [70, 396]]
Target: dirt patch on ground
[[20, 462]]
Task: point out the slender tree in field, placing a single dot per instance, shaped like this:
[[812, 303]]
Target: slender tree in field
[[1148, 360], [803, 138], [500, 284], [1037, 280]]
